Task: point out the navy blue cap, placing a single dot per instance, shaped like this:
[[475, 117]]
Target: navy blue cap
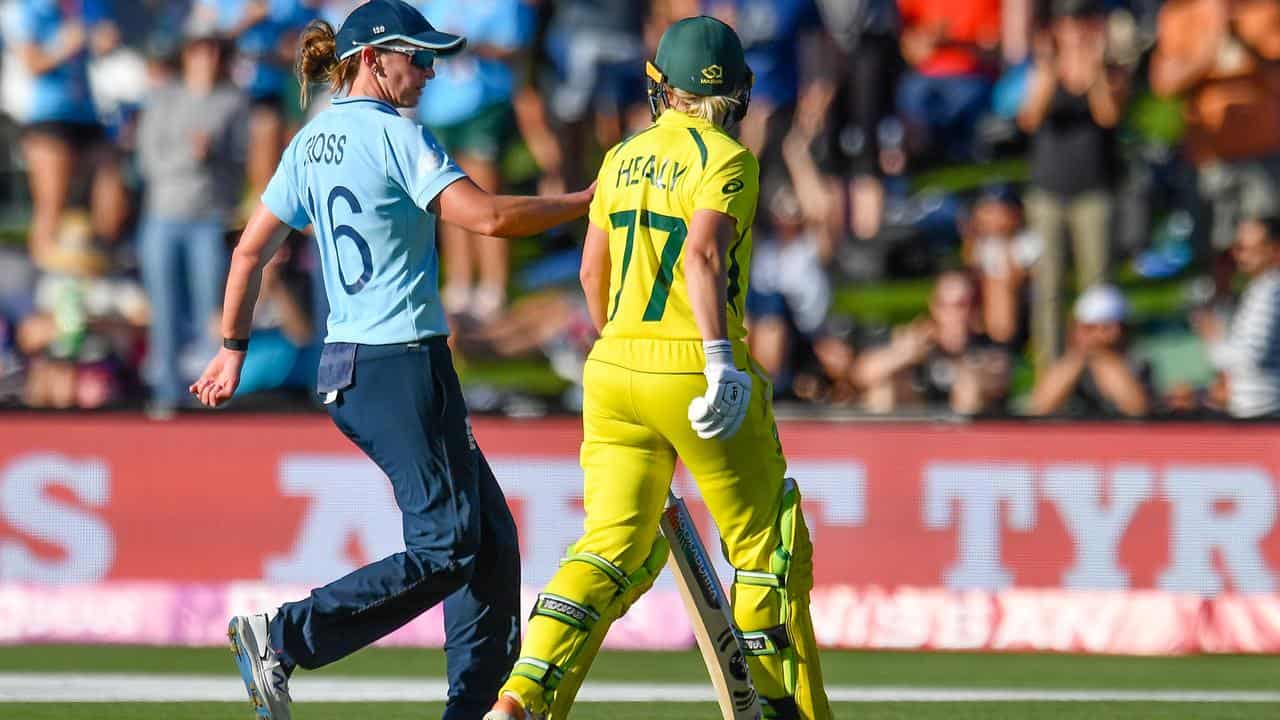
[[380, 22]]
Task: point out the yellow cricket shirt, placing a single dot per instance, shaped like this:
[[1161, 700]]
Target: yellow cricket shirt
[[646, 193]]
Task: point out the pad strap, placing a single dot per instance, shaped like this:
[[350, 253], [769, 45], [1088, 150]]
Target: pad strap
[[543, 673], [558, 607], [760, 579], [609, 569], [769, 641]]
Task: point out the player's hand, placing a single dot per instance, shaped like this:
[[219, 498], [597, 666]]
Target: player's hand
[[719, 413], [219, 380]]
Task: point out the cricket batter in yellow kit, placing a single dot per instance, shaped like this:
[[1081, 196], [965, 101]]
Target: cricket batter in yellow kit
[[665, 269]]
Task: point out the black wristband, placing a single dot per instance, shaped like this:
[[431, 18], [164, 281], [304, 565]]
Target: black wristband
[[236, 344]]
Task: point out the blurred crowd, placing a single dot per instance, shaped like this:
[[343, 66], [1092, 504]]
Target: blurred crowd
[[1035, 163]]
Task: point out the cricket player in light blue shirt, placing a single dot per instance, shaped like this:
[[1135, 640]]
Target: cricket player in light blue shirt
[[377, 245], [372, 185]]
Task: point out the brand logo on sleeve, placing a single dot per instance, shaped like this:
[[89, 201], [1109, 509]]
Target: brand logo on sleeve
[[733, 186]]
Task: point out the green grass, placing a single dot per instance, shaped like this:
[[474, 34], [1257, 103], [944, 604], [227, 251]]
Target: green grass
[[646, 711], [957, 670], [1201, 672]]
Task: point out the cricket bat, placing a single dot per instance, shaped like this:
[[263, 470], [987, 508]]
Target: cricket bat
[[709, 613]]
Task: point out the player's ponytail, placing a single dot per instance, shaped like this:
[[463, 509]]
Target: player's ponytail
[[318, 62]]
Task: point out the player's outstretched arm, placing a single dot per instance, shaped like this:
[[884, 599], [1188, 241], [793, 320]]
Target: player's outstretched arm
[[465, 204], [594, 275], [262, 236]]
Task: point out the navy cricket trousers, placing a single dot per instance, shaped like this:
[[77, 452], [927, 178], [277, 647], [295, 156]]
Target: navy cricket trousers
[[404, 409]]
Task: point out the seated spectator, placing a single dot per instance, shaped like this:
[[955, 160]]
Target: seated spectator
[[284, 346], [1096, 376], [951, 47], [81, 333], [1223, 58], [1071, 112], [789, 295], [939, 361], [17, 292], [1248, 352], [1000, 251], [831, 378], [552, 322], [1186, 401]]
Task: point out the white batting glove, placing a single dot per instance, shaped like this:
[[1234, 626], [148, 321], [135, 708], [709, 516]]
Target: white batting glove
[[719, 413]]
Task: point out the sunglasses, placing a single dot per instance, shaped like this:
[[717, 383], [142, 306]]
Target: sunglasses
[[418, 57], [421, 59]]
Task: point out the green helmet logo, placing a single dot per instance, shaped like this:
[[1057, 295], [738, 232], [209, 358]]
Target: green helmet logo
[[713, 75]]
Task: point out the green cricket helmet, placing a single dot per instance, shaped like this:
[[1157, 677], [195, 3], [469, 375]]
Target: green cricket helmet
[[702, 56]]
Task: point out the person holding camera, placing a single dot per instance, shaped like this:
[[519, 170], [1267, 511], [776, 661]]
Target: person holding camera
[[1073, 105], [1097, 376]]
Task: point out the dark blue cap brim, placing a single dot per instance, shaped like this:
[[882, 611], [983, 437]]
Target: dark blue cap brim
[[440, 43]]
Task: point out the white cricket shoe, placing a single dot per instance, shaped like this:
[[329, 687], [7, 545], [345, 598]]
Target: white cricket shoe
[[264, 675], [509, 708]]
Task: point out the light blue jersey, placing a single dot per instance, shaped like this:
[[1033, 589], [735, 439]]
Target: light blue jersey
[[61, 94], [363, 176]]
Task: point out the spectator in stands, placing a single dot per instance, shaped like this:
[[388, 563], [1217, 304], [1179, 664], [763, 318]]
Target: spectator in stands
[[951, 47], [1223, 58], [532, 115], [468, 108], [597, 50], [940, 361], [1000, 252], [17, 293], [817, 195], [866, 36], [1248, 352], [772, 33], [191, 152], [264, 33], [285, 342], [84, 321], [1071, 111], [789, 295], [1096, 376], [552, 323], [50, 43]]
